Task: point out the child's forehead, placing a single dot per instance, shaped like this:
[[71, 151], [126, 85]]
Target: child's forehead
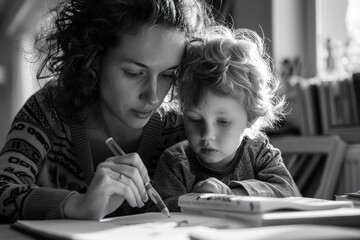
[[211, 100]]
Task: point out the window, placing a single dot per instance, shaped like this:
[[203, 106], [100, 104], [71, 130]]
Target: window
[[338, 36]]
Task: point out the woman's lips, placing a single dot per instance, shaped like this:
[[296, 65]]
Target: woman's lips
[[142, 114]]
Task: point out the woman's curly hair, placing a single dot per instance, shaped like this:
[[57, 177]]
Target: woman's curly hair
[[72, 46], [232, 62]]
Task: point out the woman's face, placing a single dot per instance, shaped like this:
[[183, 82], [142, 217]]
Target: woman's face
[[138, 73]]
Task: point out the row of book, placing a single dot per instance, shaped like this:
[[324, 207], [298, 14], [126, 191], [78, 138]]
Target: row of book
[[330, 105]]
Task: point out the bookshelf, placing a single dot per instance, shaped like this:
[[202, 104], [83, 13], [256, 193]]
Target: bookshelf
[[328, 105]]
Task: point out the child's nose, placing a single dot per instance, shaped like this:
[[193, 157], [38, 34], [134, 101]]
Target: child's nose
[[208, 133]]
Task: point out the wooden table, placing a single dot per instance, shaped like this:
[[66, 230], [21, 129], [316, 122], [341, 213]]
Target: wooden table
[[236, 231], [7, 233]]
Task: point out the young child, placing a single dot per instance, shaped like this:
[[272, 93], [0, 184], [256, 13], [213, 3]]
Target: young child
[[227, 96]]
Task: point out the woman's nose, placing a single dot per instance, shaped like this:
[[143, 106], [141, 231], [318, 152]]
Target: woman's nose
[[149, 93]]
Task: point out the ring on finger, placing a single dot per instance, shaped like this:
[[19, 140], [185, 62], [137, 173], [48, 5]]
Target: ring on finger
[[120, 177]]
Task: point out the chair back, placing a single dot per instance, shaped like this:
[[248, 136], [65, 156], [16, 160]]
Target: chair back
[[314, 162]]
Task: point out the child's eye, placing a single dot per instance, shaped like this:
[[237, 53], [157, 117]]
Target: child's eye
[[224, 123], [194, 120]]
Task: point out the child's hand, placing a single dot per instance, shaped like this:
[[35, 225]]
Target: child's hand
[[212, 185]]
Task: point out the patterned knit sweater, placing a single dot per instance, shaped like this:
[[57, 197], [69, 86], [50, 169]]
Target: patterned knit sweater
[[47, 156]]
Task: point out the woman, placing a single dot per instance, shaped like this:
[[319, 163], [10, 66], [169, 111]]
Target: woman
[[111, 63]]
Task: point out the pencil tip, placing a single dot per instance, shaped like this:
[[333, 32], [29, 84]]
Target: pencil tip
[[166, 211]]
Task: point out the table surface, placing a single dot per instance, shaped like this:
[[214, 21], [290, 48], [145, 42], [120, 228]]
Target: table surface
[[304, 232], [8, 233]]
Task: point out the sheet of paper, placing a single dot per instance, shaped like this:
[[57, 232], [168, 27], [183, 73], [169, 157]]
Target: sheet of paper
[[191, 219], [142, 226], [156, 226]]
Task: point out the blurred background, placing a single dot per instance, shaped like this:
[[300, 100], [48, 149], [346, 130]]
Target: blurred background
[[310, 41]]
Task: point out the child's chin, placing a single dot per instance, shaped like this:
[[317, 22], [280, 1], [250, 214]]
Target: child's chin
[[209, 159]]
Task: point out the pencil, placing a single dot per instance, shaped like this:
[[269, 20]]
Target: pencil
[[153, 194]]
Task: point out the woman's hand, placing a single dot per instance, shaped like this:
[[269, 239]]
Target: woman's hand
[[117, 179], [212, 185]]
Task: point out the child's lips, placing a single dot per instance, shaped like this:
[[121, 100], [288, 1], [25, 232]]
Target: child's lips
[[208, 151]]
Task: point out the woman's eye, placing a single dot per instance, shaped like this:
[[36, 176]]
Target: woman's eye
[[170, 75], [224, 123], [133, 74]]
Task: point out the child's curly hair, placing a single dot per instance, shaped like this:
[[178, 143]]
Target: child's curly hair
[[232, 62]]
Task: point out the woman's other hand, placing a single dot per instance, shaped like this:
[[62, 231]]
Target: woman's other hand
[[117, 179]]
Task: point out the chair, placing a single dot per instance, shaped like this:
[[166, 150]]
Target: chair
[[314, 162]]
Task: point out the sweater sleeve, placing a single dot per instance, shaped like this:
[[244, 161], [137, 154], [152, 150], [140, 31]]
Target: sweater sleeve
[[172, 178], [21, 160], [271, 177]]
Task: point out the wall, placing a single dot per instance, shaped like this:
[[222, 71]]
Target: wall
[[255, 15], [334, 26], [295, 33], [288, 30], [329, 26], [6, 59], [15, 26], [288, 26]]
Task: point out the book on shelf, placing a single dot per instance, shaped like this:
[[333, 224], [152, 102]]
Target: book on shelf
[[350, 133], [324, 105], [309, 98], [354, 104], [356, 86], [254, 204], [267, 211]]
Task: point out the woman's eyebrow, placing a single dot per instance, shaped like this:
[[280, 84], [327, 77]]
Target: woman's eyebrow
[[145, 66], [173, 67], [135, 62]]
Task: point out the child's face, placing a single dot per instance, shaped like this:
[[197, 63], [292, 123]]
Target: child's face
[[215, 128]]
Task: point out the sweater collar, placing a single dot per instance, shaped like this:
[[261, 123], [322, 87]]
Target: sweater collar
[[149, 139]]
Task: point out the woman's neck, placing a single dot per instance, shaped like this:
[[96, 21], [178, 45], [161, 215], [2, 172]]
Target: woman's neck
[[104, 124]]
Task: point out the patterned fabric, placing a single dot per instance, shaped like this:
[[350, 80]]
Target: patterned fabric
[[257, 167], [47, 156]]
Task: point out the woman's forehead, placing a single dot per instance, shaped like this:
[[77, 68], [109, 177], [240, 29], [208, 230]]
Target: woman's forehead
[[155, 46]]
